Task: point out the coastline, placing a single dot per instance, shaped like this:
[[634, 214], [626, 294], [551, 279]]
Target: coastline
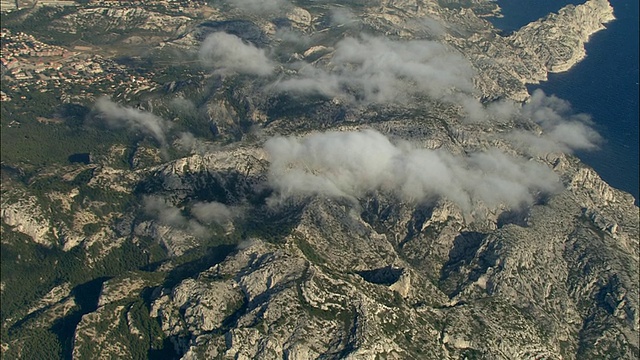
[[603, 84]]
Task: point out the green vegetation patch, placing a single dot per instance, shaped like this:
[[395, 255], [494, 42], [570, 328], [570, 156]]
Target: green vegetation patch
[[35, 343], [37, 21], [308, 250], [25, 140]]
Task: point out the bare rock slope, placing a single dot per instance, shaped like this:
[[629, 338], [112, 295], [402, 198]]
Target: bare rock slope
[[373, 273]]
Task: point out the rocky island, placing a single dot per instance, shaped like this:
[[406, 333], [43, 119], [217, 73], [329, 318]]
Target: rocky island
[[303, 180]]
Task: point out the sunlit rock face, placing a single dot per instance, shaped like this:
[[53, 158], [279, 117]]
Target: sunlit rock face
[[375, 182]]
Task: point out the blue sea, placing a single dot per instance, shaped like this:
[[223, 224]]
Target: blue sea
[[604, 85]]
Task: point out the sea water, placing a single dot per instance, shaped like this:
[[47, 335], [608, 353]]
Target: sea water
[[604, 85]]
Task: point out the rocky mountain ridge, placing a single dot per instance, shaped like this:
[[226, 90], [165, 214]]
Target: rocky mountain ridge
[[370, 272]]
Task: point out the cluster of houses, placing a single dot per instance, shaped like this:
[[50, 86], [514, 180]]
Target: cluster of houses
[[25, 61]]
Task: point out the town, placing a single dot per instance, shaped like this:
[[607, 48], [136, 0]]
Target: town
[[28, 63]]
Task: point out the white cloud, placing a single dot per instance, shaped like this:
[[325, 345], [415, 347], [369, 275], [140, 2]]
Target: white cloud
[[350, 164], [556, 118], [342, 16], [186, 141], [226, 52], [293, 37], [118, 116], [378, 70], [559, 129], [562, 130], [204, 213], [432, 26], [183, 105], [168, 214], [213, 212]]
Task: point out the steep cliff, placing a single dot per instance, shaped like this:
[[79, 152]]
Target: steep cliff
[[558, 40]]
